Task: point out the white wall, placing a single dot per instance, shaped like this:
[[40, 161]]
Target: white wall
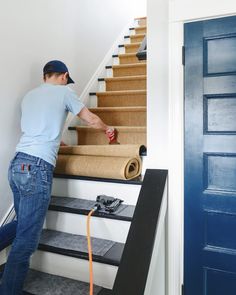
[[34, 31], [157, 84], [194, 9]]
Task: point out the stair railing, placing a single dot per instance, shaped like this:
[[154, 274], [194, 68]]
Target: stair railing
[[142, 267]]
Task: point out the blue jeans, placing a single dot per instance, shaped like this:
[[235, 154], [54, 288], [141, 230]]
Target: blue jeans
[[30, 179]]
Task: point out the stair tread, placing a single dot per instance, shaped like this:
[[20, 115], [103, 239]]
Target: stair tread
[[132, 65], [139, 27], [38, 283], [131, 54], [118, 109], [135, 181], [139, 77], [141, 17], [121, 92], [82, 206], [137, 35], [133, 44], [76, 246], [130, 128]]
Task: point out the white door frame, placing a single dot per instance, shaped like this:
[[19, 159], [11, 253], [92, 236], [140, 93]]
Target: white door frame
[[176, 156]]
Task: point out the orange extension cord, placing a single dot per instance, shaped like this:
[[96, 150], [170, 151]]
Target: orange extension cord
[[90, 251]]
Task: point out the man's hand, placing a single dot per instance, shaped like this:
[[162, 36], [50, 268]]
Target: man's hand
[[111, 134], [95, 122], [63, 144]]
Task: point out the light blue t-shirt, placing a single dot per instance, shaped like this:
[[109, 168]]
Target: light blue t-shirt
[[44, 111]]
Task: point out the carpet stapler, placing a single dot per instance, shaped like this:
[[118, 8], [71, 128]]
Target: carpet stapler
[[108, 203]]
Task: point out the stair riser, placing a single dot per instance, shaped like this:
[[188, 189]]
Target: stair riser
[[123, 101], [139, 84], [136, 38], [89, 190], [142, 22], [120, 118], [86, 137], [130, 60], [130, 71], [141, 31], [101, 86], [102, 228], [132, 49], [74, 268]]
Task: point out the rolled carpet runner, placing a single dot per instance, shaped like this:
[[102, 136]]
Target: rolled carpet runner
[[108, 161]]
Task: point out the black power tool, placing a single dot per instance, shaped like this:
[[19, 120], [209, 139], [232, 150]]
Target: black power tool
[[108, 203]]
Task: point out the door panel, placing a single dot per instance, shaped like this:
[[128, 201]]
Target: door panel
[[210, 157]]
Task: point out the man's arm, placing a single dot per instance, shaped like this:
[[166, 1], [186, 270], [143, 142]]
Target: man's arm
[[91, 119], [95, 122]]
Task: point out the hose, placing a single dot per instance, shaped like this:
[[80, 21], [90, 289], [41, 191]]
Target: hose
[[90, 251]]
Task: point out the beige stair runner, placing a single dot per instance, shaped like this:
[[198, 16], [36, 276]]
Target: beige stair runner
[[141, 30], [125, 98], [132, 47], [126, 135], [109, 161], [126, 83], [129, 70], [129, 58], [122, 105], [122, 116], [137, 38]]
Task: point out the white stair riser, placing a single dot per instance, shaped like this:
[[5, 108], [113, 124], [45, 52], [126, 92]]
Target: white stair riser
[[101, 86], [121, 50], [71, 137], [74, 268], [93, 103], [127, 41], [109, 73], [131, 32], [116, 61], [89, 190], [103, 228], [136, 23]]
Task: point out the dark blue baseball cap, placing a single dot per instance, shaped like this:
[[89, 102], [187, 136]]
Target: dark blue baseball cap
[[57, 66]]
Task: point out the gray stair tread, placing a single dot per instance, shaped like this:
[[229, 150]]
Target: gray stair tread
[[83, 206], [72, 242], [39, 283], [104, 251]]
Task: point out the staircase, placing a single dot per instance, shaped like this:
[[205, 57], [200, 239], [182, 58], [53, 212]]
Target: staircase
[[121, 101], [60, 265]]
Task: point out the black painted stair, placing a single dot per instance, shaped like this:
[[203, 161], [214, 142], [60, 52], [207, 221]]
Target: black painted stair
[[135, 181], [104, 251], [83, 207], [40, 283]]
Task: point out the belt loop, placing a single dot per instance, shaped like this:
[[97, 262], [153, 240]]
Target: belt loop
[[38, 162]]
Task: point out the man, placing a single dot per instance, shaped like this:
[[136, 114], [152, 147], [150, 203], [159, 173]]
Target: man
[[30, 174]]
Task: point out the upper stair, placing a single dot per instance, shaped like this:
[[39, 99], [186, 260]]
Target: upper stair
[[121, 98]]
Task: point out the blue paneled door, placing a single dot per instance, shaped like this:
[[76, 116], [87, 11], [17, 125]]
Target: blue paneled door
[[210, 157]]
